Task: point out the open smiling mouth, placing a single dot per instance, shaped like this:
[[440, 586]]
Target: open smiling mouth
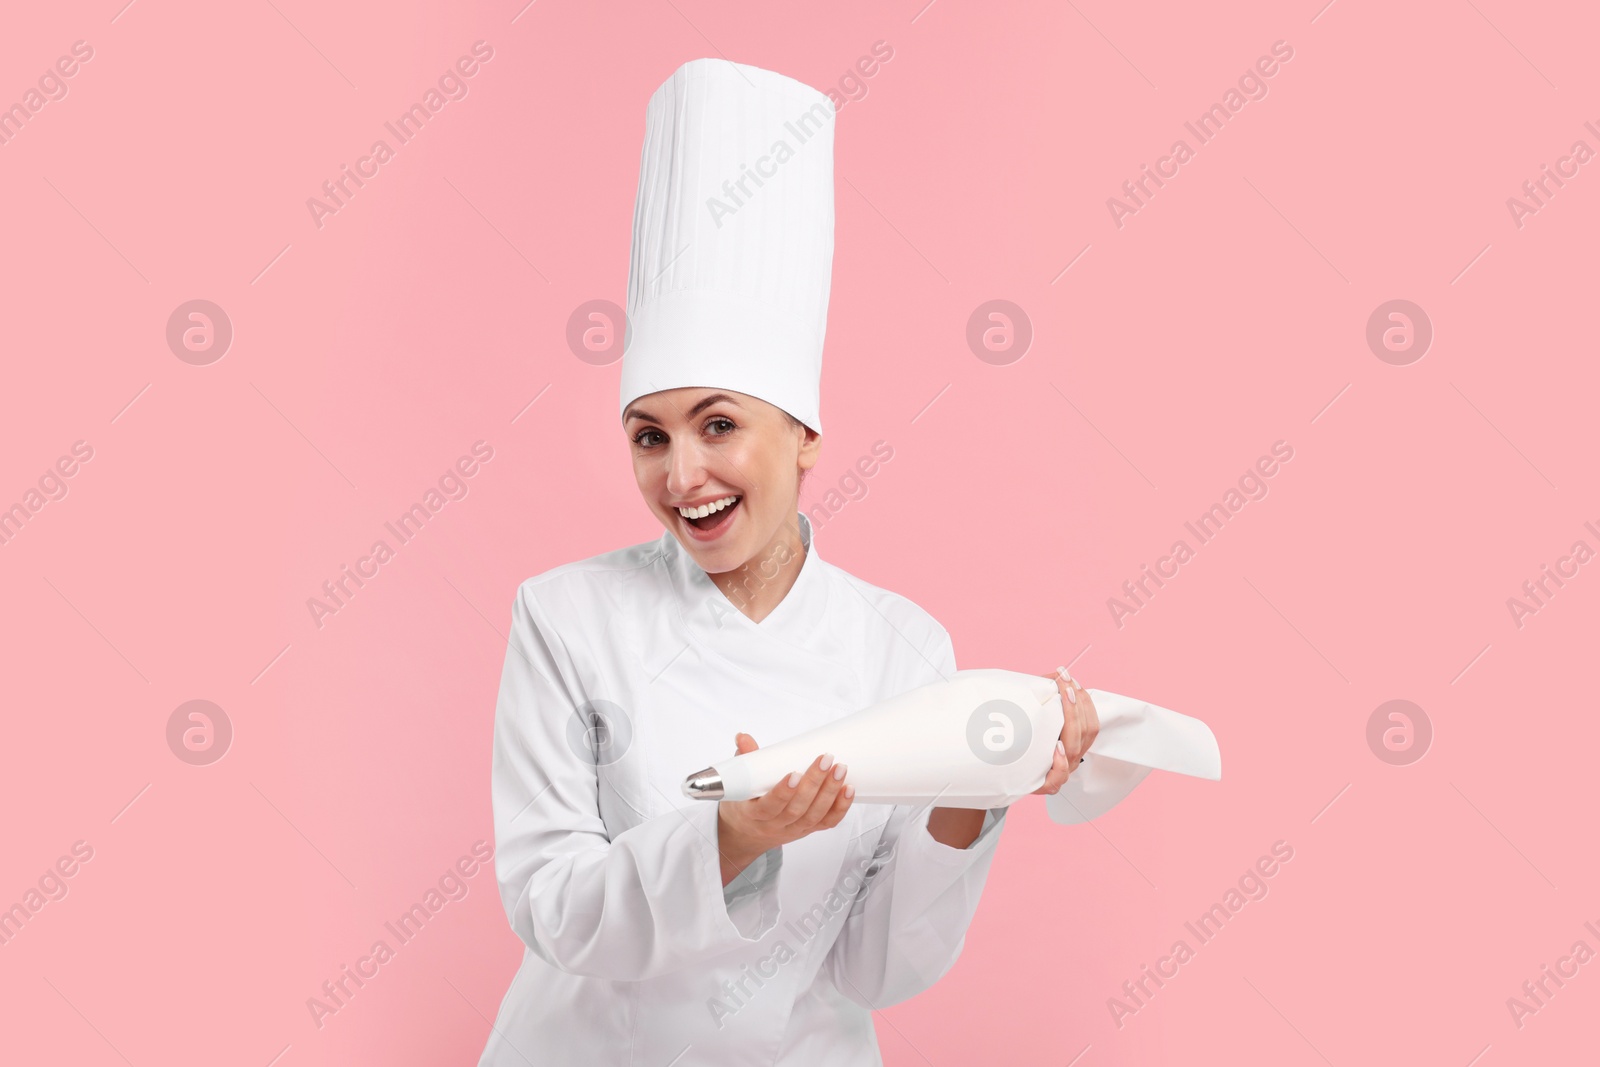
[[710, 516]]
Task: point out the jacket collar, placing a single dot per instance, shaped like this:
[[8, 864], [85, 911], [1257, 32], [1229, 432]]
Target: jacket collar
[[707, 609]]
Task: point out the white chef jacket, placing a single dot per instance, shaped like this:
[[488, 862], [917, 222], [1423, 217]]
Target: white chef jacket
[[635, 953]]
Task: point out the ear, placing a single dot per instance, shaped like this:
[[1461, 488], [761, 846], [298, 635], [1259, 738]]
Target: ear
[[810, 447]]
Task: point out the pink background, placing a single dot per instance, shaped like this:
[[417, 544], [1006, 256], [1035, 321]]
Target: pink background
[[1229, 313]]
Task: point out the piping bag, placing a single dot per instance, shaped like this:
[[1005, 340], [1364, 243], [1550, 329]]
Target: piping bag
[[979, 739]]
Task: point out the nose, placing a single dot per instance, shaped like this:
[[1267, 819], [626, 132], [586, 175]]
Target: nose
[[686, 468]]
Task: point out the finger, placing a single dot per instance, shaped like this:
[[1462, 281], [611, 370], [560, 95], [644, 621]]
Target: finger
[[1092, 727], [832, 786], [813, 783], [1045, 786], [1068, 707], [806, 792], [1072, 727], [1065, 690], [1088, 723], [1073, 732], [1068, 687], [1076, 744], [743, 743], [841, 807], [1057, 773], [771, 804]]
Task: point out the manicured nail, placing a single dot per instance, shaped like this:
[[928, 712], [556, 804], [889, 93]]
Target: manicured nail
[[1072, 695], [838, 772], [850, 791], [1061, 747], [827, 761], [794, 779]]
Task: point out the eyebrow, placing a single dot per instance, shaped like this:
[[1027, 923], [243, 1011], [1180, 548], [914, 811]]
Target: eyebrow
[[640, 413]]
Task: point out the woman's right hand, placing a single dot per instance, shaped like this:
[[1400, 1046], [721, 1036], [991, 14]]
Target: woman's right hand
[[798, 805]]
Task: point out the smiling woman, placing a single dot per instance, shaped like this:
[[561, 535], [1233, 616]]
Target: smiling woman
[[637, 907], [723, 470]]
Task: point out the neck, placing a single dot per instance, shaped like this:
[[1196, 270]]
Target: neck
[[759, 586]]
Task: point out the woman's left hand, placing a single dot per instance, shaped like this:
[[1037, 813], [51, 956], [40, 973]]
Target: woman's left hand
[[1078, 731]]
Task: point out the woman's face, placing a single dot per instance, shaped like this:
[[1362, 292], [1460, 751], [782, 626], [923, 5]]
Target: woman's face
[[694, 447]]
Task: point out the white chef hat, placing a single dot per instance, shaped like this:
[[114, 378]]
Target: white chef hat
[[732, 238]]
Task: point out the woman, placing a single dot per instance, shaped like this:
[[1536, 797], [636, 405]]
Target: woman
[[766, 930]]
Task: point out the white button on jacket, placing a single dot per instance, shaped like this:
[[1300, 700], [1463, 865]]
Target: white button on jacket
[[625, 673]]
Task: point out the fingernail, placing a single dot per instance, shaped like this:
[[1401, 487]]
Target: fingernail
[[1061, 747], [1072, 695], [827, 761], [1063, 672], [838, 772], [794, 779], [850, 791]]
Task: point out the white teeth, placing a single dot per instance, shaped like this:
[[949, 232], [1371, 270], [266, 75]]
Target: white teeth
[[706, 509]]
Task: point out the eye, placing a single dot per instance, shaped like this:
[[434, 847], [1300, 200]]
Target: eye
[[644, 438], [720, 421]]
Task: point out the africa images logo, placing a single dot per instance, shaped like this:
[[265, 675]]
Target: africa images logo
[[451, 85]]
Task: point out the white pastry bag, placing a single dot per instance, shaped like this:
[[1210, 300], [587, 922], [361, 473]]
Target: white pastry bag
[[981, 739]]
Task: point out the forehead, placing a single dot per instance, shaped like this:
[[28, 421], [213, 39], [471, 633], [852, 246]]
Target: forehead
[[684, 403]]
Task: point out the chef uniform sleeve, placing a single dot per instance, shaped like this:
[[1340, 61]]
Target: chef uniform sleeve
[[743, 894], [644, 903], [908, 922]]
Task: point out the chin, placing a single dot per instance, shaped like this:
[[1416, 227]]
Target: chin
[[720, 559], [719, 562], [716, 557]]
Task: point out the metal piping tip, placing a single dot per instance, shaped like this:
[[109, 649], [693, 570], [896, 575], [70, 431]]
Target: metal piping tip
[[703, 785]]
